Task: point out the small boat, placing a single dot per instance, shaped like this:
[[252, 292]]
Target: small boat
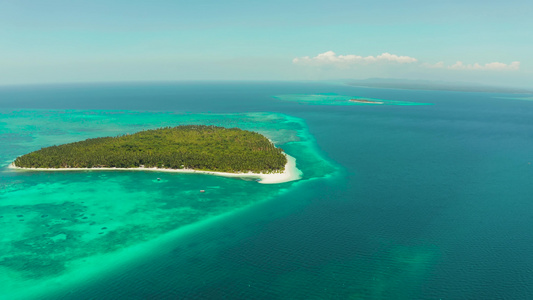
[[158, 179], [202, 191]]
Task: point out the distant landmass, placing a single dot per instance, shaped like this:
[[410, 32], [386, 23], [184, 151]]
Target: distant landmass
[[196, 147], [434, 85]]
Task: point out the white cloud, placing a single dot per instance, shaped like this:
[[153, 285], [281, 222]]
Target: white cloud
[[330, 58], [395, 58], [496, 66], [344, 61]]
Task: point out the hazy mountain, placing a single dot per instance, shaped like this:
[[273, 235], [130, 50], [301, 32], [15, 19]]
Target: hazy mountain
[[434, 85]]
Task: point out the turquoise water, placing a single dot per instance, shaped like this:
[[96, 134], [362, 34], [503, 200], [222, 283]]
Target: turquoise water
[[334, 99], [401, 202], [57, 220]]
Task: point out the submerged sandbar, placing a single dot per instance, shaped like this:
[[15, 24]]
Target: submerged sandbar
[[336, 99]]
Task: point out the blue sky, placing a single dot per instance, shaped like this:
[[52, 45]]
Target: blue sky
[[79, 41]]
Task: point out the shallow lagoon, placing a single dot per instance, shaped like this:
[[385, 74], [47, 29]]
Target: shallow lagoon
[[59, 220], [335, 99]]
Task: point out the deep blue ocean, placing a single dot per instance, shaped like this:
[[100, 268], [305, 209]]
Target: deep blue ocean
[[396, 201]]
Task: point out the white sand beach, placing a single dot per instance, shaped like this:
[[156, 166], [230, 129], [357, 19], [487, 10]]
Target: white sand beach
[[290, 173]]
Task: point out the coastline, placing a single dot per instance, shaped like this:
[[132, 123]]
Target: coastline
[[290, 173]]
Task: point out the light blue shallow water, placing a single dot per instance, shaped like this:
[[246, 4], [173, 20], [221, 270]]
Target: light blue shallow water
[[335, 99], [404, 202]]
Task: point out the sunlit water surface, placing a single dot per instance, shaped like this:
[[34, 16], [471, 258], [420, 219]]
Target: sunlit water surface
[[396, 201]]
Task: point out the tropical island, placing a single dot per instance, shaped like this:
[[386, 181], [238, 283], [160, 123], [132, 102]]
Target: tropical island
[[365, 101], [231, 152]]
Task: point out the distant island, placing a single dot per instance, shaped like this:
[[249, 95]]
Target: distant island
[[188, 147], [365, 101]]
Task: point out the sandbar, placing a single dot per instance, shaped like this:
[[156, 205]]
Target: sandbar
[[291, 172], [365, 101]]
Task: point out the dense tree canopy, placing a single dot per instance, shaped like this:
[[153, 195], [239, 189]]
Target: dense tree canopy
[[198, 147]]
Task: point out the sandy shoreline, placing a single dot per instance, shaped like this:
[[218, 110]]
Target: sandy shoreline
[[365, 101], [290, 173]]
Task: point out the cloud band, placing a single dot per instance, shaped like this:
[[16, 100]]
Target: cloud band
[[331, 58]]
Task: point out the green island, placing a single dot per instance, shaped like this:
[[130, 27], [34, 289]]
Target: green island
[[197, 147]]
